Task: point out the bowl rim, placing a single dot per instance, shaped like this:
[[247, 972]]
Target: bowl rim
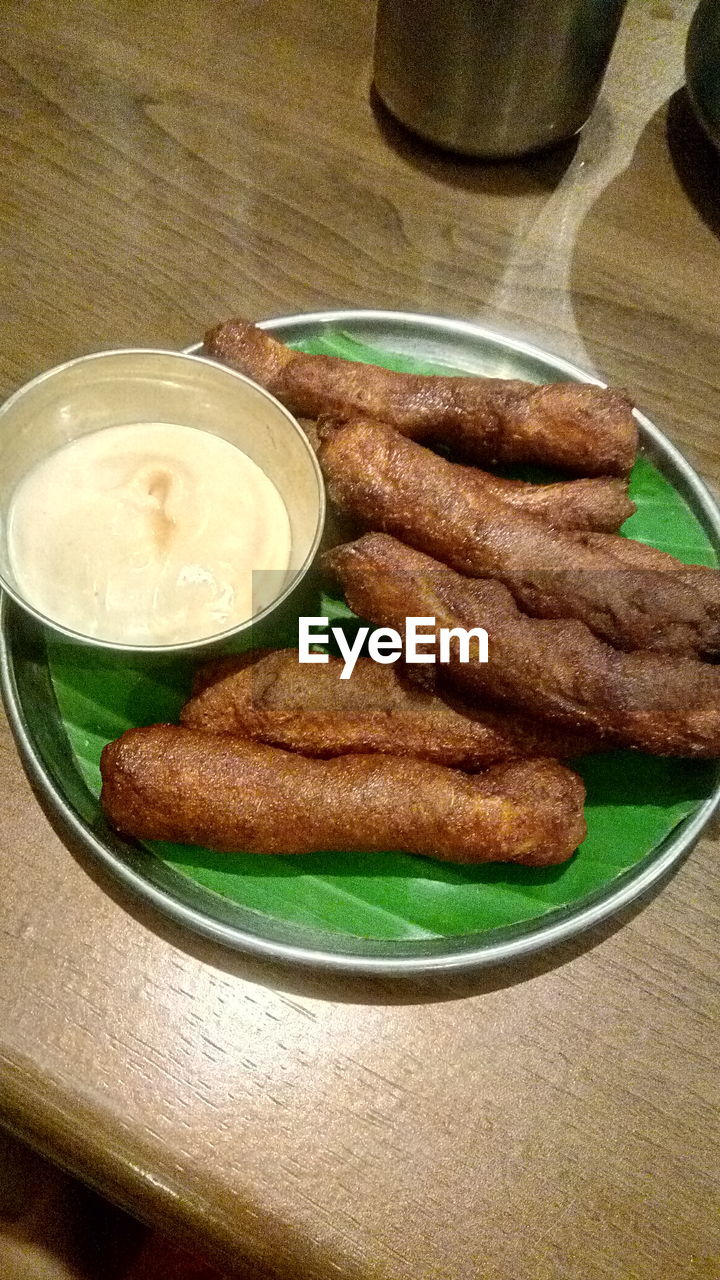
[[217, 638]]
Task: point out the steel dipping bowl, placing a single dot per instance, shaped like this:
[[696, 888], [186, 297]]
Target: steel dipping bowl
[[113, 388]]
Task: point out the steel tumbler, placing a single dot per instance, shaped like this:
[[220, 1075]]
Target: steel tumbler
[[493, 78]]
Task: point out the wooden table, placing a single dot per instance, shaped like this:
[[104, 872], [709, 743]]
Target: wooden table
[[166, 165]]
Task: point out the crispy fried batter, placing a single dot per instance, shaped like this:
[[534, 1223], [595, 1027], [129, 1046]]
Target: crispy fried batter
[[552, 669], [638, 555], [272, 697], [599, 504], [585, 429], [169, 783], [392, 484]]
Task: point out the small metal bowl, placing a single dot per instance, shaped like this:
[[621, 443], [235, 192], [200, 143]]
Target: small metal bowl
[[113, 388]]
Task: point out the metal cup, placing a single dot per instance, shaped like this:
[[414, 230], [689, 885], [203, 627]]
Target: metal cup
[[494, 78], [111, 388]]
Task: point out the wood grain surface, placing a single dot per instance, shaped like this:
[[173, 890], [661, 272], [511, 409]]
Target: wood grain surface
[[165, 165]]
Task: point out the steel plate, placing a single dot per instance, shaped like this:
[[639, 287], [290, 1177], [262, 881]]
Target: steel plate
[[39, 734]]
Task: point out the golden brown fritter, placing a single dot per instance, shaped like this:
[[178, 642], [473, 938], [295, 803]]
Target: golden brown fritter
[[272, 697], [600, 503], [392, 484], [170, 783], [584, 429], [556, 670]]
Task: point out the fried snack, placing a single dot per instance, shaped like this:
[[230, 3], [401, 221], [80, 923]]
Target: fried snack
[[638, 555], [599, 504], [169, 783], [556, 670], [390, 483], [271, 697], [584, 429]]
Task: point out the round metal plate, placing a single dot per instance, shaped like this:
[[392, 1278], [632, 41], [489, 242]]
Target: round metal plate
[[26, 686]]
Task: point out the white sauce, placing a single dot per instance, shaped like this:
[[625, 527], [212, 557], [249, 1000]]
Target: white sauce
[[147, 534]]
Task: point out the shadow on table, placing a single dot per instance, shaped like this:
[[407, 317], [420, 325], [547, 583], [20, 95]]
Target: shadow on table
[[646, 257], [696, 161], [534, 174]]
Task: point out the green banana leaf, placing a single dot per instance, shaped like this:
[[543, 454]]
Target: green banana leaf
[[633, 800]]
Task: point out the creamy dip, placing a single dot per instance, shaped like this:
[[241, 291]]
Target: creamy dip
[[147, 534]]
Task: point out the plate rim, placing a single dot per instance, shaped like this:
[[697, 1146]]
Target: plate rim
[[538, 934]]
